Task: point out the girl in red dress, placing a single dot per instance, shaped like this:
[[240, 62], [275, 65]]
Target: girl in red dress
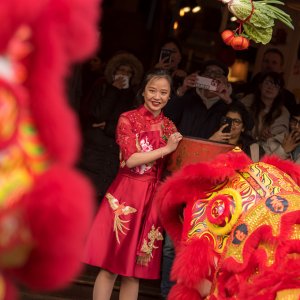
[[126, 236]]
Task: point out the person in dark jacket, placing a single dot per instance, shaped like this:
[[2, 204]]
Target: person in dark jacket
[[198, 111], [100, 153]]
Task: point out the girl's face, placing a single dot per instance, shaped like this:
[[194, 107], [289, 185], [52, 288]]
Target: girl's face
[[156, 94], [269, 89], [237, 124]]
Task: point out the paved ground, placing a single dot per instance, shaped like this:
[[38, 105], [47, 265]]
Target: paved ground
[[82, 289]]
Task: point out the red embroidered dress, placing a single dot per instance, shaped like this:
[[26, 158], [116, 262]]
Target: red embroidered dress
[[126, 236]]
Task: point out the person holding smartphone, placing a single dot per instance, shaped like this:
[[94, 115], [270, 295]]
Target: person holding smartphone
[[289, 148], [210, 79], [198, 112], [170, 59], [107, 99], [235, 127]]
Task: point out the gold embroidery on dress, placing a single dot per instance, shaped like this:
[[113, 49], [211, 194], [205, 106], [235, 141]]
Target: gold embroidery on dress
[[119, 210], [148, 247]]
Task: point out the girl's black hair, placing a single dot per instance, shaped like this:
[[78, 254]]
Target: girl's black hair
[[257, 105], [245, 139], [159, 73], [238, 107]]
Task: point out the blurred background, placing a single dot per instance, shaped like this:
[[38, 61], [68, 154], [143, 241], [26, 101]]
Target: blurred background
[[141, 26]]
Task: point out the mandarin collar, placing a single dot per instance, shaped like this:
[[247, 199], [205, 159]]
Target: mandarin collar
[[148, 115]]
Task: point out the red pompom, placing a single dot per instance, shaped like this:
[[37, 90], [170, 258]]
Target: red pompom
[[240, 43], [218, 210], [227, 36], [58, 222]]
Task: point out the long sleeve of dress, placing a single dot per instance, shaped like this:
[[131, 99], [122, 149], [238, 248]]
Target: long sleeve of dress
[[126, 138]]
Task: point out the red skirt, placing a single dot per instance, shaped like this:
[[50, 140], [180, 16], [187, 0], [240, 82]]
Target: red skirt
[[126, 236]]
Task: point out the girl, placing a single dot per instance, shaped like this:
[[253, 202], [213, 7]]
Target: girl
[[241, 125], [126, 236]]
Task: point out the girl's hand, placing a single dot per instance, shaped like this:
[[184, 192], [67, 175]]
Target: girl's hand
[[291, 141], [173, 142], [221, 136]]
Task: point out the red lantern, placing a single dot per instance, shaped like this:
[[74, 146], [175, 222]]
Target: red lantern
[[227, 36], [240, 43]]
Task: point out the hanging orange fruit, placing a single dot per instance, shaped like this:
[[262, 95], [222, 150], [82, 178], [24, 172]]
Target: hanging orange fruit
[[227, 36], [240, 43]]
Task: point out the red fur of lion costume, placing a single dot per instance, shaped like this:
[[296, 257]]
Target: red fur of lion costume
[[254, 257], [45, 205]]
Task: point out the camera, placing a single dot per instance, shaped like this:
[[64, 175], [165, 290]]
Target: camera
[[207, 83], [165, 55], [228, 121]]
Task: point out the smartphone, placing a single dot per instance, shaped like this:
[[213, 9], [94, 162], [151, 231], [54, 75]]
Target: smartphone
[[207, 83], [125, 78], [165, 55], [228, 121]]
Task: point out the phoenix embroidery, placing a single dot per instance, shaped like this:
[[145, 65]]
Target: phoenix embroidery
[[119, 210]]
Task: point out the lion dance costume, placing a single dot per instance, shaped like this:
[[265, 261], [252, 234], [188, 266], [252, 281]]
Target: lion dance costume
[[45, 205], [240, 234]]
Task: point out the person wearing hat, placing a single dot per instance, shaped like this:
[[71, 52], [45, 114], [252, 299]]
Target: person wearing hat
[[115, 66], [107, 100]]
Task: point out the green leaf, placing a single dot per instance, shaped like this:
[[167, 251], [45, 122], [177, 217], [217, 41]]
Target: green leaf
[[240, 10], [282, 16], [264, 9], [261, 19], [268, 2], [259, 35]]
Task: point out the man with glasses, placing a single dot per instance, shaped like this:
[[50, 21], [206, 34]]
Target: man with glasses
[[197, 111]]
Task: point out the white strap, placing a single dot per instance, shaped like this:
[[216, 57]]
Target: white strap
[[254, 152]]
